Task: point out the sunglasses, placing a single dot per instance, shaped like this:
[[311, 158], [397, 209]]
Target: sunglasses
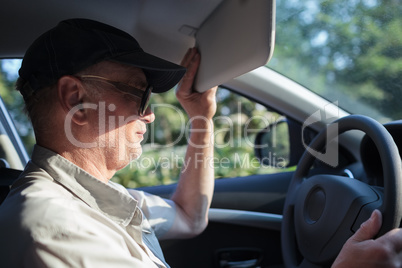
[[126, 90]]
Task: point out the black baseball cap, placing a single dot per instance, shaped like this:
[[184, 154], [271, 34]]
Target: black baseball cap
[[76, 44]]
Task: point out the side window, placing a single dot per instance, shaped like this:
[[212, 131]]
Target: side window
[[14, 125], [238, 123], [12, 150]]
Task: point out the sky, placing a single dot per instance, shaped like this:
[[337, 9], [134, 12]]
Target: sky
[[11, 67]]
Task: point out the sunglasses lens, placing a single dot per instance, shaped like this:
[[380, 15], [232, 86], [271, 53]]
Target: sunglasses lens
[[145, 100]]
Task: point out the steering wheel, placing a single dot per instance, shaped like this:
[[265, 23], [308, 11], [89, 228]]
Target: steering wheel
[[321, 212]]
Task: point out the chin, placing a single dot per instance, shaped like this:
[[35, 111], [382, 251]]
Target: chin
[[134, 154]]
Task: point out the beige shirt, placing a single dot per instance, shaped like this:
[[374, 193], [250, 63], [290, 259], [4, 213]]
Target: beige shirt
[[58, 215]]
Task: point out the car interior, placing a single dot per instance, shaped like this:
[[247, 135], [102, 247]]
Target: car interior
[[339, 166]]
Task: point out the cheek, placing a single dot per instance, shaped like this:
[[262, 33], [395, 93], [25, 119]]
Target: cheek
[[120, 121], [129, 134], [117, 118]]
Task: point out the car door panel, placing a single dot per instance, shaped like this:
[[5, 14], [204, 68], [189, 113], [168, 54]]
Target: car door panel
[[244, 224], [204, 250]]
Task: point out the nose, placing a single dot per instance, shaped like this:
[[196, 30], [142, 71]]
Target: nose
[[148, 116]]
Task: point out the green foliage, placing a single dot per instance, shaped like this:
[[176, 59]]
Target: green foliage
[[15, 104], [344, 48]]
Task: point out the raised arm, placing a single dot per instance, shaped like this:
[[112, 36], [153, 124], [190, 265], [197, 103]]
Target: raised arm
[[195, 188]]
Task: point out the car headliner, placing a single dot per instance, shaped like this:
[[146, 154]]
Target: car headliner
[[24, 20]]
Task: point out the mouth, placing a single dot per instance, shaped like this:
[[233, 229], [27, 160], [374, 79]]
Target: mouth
[[140, 131], [140, 134]]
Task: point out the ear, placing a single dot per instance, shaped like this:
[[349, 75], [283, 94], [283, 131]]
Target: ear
[[70, 95]]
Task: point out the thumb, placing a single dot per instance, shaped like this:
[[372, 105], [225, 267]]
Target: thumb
[[369, 228]]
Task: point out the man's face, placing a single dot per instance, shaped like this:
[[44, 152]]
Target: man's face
[[116, 121]]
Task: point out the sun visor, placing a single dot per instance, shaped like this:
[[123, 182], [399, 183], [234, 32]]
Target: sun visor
[[238, 37]]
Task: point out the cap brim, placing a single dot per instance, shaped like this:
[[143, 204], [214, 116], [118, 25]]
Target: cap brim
[[161, 74]]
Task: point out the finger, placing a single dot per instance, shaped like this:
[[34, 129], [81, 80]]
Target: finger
[[186, 83], [188, 56], [192, 66], [212, 91], [369, 228]]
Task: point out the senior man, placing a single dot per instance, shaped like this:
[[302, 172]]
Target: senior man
[[86, 87]]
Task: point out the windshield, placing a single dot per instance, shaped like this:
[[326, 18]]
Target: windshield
[[349, 52]]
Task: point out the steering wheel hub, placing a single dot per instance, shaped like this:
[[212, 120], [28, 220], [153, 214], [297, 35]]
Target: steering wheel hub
[[323, 203]]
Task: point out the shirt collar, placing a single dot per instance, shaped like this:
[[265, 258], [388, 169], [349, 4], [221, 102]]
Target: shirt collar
[[89, 189]]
